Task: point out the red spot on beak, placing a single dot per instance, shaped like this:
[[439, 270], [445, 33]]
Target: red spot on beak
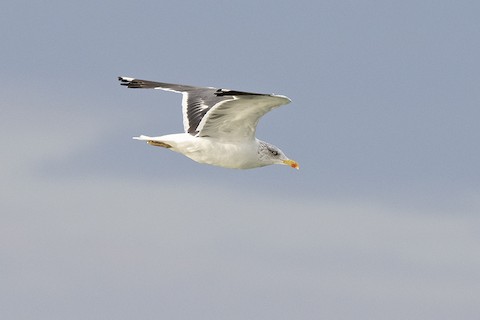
[[292, 164]]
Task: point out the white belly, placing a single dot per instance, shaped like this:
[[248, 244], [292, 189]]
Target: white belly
[[215, 152]]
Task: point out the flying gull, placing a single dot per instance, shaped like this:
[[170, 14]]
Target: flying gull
[[219, 126]]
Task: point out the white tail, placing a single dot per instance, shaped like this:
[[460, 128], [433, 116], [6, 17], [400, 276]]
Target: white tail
[[143, 138], [153, 141]]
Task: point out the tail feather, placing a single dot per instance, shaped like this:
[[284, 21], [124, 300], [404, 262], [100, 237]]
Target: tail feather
[[143, 138], [152, 141]]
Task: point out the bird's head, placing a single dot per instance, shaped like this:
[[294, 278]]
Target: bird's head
[[270, 154]]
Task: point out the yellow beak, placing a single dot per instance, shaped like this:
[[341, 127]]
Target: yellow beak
[[291, 163]]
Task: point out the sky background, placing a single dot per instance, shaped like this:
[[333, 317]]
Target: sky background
[[381, 221]]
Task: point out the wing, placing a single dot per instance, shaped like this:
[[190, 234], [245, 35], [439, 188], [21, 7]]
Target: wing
[[236, 119], [219, 113], [195, 103]]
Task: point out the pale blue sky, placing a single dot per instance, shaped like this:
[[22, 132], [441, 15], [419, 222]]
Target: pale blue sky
[[381, 222]]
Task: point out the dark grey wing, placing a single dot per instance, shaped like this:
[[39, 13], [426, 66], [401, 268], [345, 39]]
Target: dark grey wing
[[146, 84], [195, 103]]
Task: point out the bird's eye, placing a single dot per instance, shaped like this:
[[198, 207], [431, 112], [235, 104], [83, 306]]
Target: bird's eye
[[274, 152]]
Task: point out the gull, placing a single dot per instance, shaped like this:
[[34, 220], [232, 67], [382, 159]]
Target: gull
[[219, 126]]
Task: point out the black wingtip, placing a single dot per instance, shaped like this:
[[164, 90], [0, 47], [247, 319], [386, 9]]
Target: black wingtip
[[130, 82], [124, 81]]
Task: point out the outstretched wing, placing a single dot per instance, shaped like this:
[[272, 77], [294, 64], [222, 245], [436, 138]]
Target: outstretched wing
[[195, 103], [236, 119], [218, 113]]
